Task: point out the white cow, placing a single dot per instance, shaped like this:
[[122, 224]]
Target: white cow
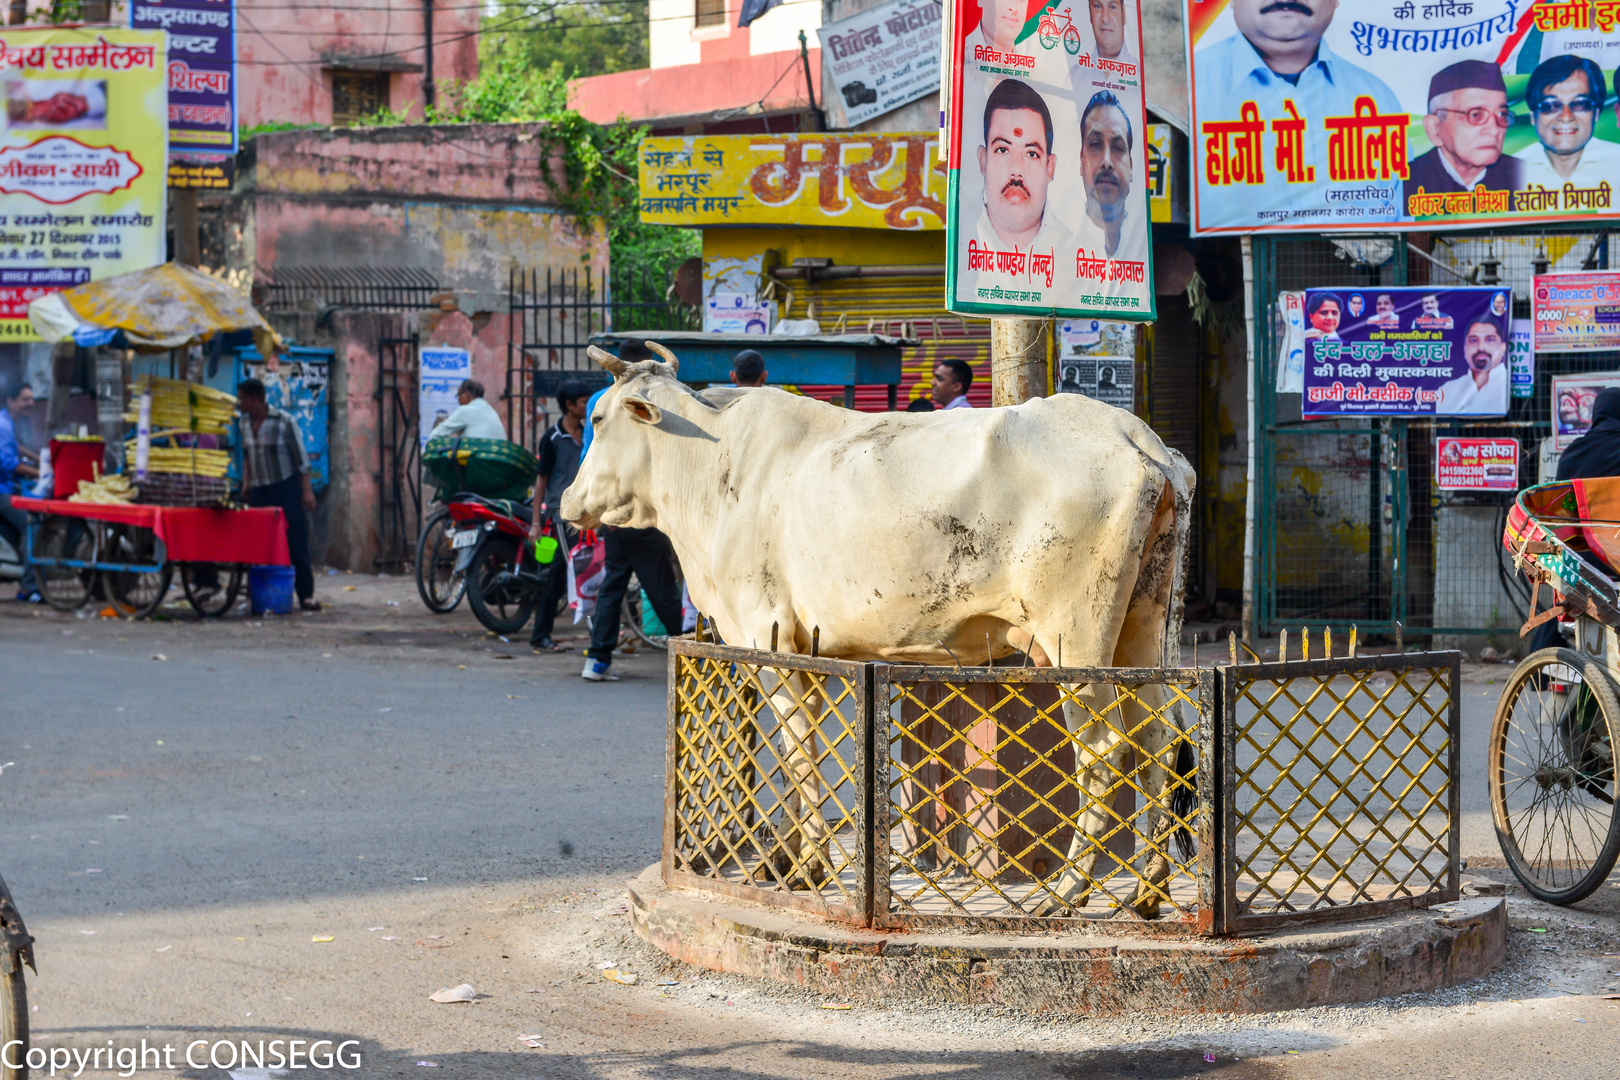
[[1054, 526]]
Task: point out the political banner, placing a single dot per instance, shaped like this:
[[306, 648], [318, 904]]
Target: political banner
[[1047, 154], [82, 161], [1577, 312], [1476, 464], [1404, 352], [870, 180], [879, 60], [202, 70], [1401, 114], [443, 370]]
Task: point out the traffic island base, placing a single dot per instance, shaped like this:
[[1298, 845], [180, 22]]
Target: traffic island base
[[1088, 972]]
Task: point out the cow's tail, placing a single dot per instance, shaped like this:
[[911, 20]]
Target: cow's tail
[[1184, 782]]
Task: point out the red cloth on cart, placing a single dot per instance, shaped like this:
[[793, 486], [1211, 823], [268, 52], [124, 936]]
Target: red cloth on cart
[[189, 533]]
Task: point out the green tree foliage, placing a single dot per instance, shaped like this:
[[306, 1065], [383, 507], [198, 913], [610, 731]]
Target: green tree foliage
[[594, 37]]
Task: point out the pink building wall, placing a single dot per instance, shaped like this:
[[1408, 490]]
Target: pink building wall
[[286, 53]]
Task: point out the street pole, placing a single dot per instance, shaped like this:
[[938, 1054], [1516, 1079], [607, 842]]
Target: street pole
[[187, 233], [1018, 363]]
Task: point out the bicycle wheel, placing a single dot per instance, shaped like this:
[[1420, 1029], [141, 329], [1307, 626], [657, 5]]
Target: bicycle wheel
[[135, 593], [498, 598], [213, 596], [437, 581], [1552, 776], [65, 588], [16, 949]]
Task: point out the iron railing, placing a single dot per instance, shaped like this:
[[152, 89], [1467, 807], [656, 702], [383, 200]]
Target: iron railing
[[1192, 801], [372, 288]]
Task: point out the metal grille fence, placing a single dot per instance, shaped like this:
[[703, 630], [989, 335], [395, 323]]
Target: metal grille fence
[[1344, 786], [1029, 798], [1034, 792], [1354, 531], [767, 794]]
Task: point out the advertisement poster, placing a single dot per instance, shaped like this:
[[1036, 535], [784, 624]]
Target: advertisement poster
[[877, 61], [443, 371], [1291, 341], [1407, 352], [1476, 464], [1572, 399], [1167, 196], [1576, 312], [1047, 152], [202, 70], [888, 180], [1098, 359], [1522, 358], [82, 162], [1403, 114], [737, 313]]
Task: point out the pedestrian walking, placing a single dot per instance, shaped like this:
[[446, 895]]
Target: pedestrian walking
[[561, 449], [17, 464], [645, 552], [275, 472], [951, 381]]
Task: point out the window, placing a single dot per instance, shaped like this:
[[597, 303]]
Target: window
[[356, 94], [711, 12]]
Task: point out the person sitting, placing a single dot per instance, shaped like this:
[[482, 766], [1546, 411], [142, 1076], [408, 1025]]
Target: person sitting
[[748, 369], [14, 471], [474, 417]]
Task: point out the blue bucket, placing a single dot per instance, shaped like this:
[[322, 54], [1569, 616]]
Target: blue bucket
[[270, 590]]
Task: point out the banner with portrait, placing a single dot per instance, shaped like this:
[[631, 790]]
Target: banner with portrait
[[1404, 352], [1047, 151], [1402, 114]]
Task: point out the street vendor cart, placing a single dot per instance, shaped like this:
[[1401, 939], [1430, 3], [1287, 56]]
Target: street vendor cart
[[1553, 784], [133, 550]]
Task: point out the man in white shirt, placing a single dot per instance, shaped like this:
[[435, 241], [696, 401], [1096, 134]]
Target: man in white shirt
[[1565, 96], [1482, 390], [1108, 27], [1107, 144], [950, 387], [473, 418]]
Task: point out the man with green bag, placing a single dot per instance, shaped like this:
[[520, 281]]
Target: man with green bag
[[561, 448]]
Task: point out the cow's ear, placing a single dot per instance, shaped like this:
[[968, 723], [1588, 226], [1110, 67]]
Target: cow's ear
[[642, 410]]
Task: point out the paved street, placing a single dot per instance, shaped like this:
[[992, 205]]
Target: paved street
[[182, 835]]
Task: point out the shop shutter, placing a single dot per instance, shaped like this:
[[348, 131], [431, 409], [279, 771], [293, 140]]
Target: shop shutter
[[912, 306]]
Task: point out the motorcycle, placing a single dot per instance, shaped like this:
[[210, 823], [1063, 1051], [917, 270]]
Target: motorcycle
[[505, 574]]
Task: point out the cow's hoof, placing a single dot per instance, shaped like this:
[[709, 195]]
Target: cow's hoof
[[1051, 908]]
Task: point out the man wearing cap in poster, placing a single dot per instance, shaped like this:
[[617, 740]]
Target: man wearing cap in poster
[[1468, 119], [1482, 390], [1278, 55], [1565, 96], [1107, 228]]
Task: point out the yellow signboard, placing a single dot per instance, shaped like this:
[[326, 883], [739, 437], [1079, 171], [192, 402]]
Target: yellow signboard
[[83, 161], [1167, 201], [888, 180]]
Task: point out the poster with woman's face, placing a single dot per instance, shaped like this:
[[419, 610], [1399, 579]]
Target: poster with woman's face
[[1572, 400]]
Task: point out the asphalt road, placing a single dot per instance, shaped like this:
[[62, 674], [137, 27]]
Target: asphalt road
[[182, 835]]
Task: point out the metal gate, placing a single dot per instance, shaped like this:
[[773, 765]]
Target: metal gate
[[1350, 528], [553, 314], [399, 481]]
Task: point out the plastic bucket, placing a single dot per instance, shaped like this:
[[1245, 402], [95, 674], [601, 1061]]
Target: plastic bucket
[[270, 590]]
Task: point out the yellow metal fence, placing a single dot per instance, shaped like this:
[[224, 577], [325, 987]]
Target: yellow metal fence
[[1183, 800]]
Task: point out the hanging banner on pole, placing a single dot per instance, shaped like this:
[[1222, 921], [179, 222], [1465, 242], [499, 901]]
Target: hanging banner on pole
[[201, 70], [1047, 156], [1395, 114], [1407, 352], [82, 161]]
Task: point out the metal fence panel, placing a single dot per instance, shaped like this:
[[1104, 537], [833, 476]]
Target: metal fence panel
[[1020, 797], [767, 795], [1343, 797]]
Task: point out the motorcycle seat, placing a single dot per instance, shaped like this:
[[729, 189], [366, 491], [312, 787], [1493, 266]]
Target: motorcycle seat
[[507, 507]]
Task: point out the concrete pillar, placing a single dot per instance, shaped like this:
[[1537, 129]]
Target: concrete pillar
[[1018, 362]]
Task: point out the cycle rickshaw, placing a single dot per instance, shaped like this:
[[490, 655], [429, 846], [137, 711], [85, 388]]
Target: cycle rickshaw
[[1552, 743]]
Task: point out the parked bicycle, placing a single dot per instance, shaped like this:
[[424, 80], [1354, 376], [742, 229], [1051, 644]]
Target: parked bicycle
[[16, 949]]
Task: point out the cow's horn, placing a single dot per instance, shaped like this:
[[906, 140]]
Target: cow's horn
[[670, 358], [607, 360]]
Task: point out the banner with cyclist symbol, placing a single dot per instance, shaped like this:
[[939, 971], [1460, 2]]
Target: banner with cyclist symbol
[[1047, 155]]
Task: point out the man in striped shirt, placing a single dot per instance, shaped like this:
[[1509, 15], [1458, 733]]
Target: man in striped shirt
[[275, 472]]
